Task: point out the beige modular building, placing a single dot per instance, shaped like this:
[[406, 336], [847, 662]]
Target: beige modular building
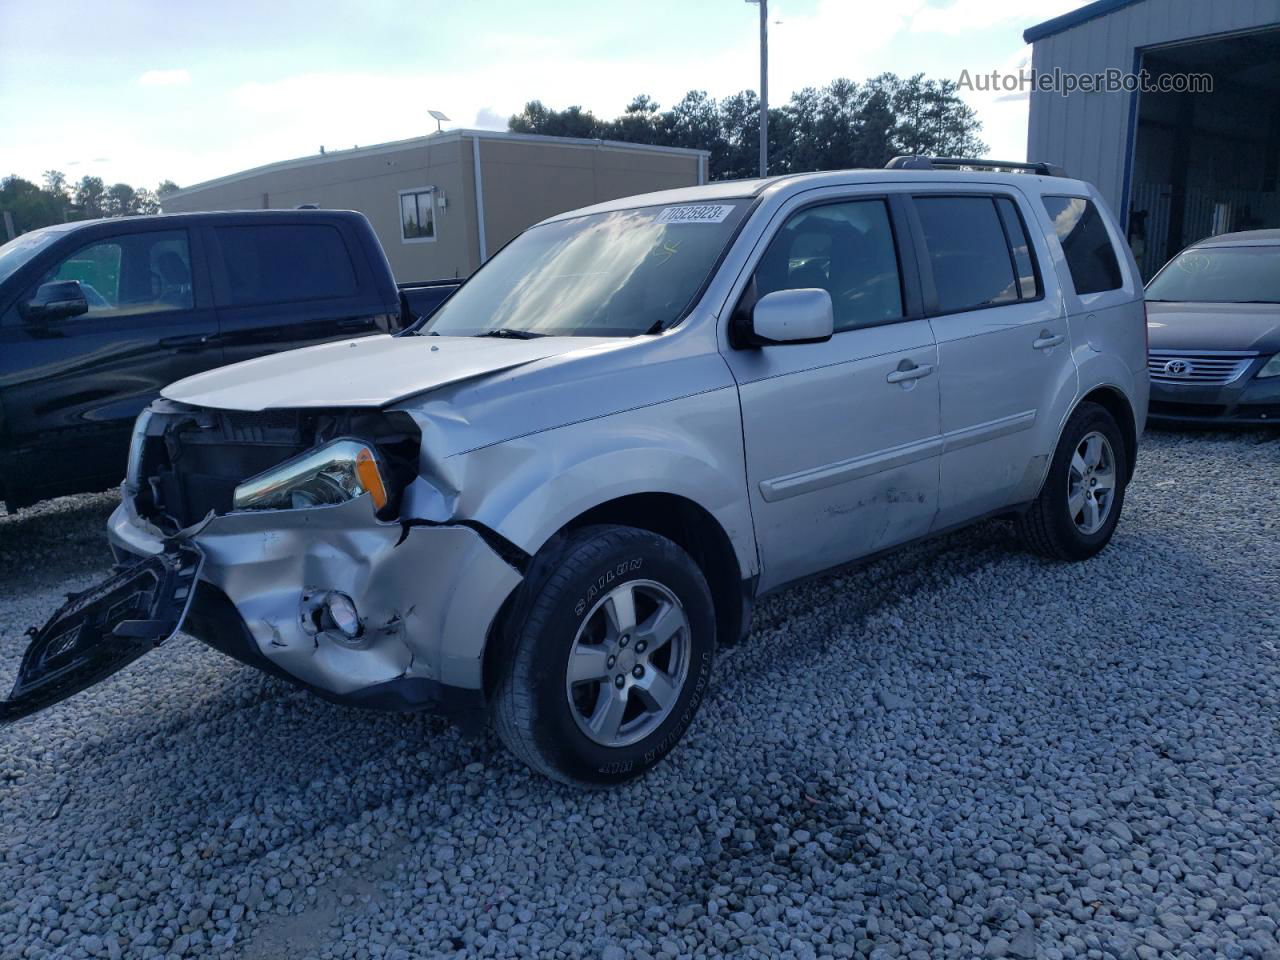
[[441, 204]]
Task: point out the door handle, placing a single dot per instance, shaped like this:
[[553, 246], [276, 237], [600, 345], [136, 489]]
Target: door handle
[[910, 373], [1048, 341], [193, 341]]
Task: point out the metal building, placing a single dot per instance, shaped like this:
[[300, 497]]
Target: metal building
[[442, 204], [1175, 165]]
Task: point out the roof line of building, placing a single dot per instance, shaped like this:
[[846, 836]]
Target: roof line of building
[[1090, 11], [432, 140]]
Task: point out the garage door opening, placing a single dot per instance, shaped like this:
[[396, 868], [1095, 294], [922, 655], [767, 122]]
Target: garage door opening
[[1206, 163]]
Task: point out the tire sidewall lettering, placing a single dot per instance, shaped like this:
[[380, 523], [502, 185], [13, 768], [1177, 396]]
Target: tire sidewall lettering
[[686, 715], [604, 581]]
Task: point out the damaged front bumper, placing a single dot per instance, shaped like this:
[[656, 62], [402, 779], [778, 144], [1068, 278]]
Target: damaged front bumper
[[104, 629], [425, 595]]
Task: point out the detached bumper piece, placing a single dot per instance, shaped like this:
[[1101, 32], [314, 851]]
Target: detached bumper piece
[[104, 629]]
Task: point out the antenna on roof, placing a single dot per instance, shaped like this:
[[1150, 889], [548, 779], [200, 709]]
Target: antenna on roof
[[437, 116]]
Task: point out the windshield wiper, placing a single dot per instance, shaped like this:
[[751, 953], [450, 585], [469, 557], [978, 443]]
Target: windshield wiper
[[509, 333]]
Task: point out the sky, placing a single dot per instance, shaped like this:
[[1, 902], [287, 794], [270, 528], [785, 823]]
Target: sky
[[142, 91]]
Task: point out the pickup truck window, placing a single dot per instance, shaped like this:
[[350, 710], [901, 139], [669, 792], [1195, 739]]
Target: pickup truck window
[[844, 248], [616, 274], [287, 262], [19, 251], [132, 273]]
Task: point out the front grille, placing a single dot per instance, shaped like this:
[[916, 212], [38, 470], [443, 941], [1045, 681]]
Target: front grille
[[1201, 369], [188, 461], [258, 427]]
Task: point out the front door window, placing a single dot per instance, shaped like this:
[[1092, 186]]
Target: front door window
[[135, 273]]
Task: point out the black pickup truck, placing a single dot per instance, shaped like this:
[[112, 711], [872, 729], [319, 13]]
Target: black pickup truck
[[97, 316]]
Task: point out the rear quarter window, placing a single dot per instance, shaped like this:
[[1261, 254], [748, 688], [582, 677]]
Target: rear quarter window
[[279, 263], [1091, 259]]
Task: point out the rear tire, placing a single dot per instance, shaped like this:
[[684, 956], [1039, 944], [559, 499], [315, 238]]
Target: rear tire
[[610, 643], [1079, 505]]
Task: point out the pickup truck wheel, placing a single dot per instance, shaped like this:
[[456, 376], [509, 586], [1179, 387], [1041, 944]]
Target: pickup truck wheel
[[1079, 505], [611, 645]]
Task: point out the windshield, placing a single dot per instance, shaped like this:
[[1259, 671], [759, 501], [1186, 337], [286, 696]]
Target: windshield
[[15, 253], [615, 274], [1220, 275]]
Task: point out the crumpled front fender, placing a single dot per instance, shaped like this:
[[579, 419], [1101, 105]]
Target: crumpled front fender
[[426, 594]]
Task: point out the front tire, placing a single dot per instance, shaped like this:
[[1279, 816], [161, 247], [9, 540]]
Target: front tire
[[1079, 505], [610, 642]]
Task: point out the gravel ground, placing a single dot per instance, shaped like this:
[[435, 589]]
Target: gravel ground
[[957, 751]]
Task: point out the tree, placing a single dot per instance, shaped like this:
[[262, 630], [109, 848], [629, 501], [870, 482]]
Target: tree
[[89, 195], [120, 200], [570, 122], [55, 182], [30, 206], [145, 202], [56, 201], [638, 124], [841, 125], [931, 119]]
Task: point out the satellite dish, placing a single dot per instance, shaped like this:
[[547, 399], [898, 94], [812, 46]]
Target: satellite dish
[[437, 116]]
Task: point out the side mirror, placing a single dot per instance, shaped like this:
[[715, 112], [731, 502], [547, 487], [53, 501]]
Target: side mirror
[[791, 316], [56, 301]]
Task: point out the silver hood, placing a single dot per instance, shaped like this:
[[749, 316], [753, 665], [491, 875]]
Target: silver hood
[[367, 372]]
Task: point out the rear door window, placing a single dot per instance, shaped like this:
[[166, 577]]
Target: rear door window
[[1024, 264], [1090, 257], [968, 251], [281, 263]]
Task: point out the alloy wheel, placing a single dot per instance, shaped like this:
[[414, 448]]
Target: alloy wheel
[[1091, 485], [628, 663]]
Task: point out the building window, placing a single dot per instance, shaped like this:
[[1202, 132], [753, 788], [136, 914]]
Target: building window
[[418, 214]]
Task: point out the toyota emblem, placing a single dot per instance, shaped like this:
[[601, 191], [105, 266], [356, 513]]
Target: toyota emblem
[[1178, 368]]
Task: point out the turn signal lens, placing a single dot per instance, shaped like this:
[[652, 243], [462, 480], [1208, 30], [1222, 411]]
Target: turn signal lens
[[371, 478]]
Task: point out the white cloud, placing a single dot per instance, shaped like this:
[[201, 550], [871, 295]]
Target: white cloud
[[281, 114], [1004, 114], [490, 119], [965, 16], [164, 78]]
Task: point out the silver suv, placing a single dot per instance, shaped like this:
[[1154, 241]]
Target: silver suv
[[552, 502]]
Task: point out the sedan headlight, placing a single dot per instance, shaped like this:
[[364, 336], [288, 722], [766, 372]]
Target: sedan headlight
[[335, 473], [1271, 368]]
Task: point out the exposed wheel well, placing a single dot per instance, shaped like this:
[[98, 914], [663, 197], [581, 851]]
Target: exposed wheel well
[[697, 531], [683, 522], [1117, 404]]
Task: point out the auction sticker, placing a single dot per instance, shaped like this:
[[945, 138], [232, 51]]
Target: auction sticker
[[695, 213]]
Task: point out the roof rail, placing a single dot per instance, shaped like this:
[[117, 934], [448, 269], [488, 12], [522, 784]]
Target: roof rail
[[942, 163]]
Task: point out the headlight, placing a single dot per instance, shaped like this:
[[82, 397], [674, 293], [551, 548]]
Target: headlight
[[335, 473], [1271, 368]]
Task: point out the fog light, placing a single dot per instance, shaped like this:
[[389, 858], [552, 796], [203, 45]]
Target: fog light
[[341, 611]]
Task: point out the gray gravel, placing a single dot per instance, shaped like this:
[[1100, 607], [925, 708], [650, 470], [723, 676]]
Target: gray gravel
[[957, 751]]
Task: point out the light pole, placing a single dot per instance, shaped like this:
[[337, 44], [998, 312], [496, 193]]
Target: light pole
[[764, 85]]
